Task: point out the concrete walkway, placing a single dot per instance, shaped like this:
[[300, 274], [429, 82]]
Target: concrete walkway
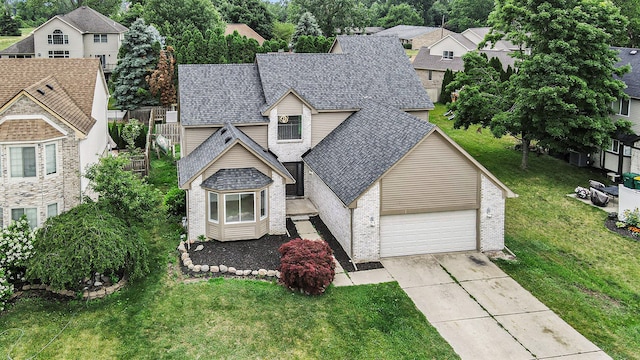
[[483, 313]]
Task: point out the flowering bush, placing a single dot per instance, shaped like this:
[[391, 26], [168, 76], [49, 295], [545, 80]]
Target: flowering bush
[[16, 247], [6, 289], [306, 265], [632, 218]]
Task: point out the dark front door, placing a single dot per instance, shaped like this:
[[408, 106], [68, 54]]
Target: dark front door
[[296, 169]]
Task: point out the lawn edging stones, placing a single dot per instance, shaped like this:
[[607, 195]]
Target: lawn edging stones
[[220, 269]]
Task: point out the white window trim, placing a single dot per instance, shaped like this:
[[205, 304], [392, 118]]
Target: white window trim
[[22, 178], [447, 55], [240, 201], [614, 149], [209, 207], [284, 141], [55, 147], [57, 209], [264, 204], [35, 117], [618, 107], [626, 150], [24, 212]]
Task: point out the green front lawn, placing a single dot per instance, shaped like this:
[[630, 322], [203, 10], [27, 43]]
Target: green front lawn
[[164, 317], [566, 257], [6, 41]]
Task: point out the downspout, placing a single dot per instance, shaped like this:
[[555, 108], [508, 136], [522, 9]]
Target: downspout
[[351, 239]]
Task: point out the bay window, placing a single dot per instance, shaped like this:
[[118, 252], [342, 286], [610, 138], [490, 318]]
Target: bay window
[[50, 163], [239, 208], [263, 204], [23, 161], [30, 213], [213, 207]]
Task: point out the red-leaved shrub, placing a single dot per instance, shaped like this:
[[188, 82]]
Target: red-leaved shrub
[[306, 265]]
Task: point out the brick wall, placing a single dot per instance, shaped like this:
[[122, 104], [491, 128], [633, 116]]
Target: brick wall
[[366, 226], [62, 188], [290, 150], [196, 209], [277, 206], [333, 213], [491, 216]]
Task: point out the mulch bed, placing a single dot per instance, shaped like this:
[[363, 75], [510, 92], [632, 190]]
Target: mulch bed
[[611, 225], [263, 253]]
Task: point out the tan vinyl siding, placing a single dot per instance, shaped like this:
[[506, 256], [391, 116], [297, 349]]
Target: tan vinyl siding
[[213, 230], [434, 176], [194, 137], [290, 105], [239, 232], [259, 134], [422, 114], [323, 123], [237, 157], [263, 225]]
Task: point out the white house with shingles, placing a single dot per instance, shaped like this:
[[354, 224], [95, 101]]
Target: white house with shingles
[[342, 130], [82, 33], [53, 125]]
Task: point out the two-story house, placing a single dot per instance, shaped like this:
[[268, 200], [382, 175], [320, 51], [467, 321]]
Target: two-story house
[[82, 33], [53, 124], [622, 155], [415, 36], [347, 130]]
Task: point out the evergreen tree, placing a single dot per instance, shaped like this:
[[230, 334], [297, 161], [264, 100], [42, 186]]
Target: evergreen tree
[[313, 44], [217, 45], [307, 26], [137, 58], [445, 94], [8, 25]]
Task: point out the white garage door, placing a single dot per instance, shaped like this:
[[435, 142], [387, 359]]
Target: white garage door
[[427, 233]]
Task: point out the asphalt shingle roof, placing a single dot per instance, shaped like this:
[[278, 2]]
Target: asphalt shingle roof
[[426, 61], [406, 31], [220, 93], [214, 145], [370, 67], [24, 46], [236, 179], [76, 79], [632, 79], [88, 20], [377, 137]]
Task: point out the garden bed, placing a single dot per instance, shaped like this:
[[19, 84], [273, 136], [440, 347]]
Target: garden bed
[[611, 225]]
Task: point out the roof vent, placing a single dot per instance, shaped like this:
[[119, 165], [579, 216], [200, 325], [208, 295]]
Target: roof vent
[[41, 92], [224, 130], [226, 140], [633, 52], [50, 87]]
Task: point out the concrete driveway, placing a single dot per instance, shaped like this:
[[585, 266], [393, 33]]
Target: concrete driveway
[[483, 313]]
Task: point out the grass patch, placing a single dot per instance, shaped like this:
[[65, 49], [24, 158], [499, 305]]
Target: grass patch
[[163, 317], [6, 41], [566, 257]]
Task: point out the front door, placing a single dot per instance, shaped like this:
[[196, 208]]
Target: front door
[[296, 169]]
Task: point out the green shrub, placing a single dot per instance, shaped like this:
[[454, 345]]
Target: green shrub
[[124, 194], [82, 241], [306, 265], [407, 46], [175, 202], [632, 218], [16, 247], [6, 289]]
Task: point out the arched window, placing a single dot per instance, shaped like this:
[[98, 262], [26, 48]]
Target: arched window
[[58, 38]]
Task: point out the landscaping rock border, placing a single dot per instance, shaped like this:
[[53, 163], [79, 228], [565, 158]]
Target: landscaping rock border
[[221, 268], [86, 294]]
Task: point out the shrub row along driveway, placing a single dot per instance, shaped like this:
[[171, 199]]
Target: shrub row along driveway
[[482, 312]]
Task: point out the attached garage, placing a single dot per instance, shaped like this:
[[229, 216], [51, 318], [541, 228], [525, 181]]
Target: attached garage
[[428, 233]]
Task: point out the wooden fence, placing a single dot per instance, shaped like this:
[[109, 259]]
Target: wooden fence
[[171, 131]]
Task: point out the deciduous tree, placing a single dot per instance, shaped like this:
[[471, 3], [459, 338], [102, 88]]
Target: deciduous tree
[[403, 14]]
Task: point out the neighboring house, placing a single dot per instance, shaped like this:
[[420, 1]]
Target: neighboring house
[[53, 124], [417, 36], [431, 64], [623, 153], [243, 30], [82, 33], [347, 130]]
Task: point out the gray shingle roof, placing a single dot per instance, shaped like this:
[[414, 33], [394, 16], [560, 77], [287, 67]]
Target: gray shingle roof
[[24, 46], [88, 20], [236, 179], [377, 137], [632, 79], [370, 67], [407, 32], [220, 93], [426, 61], [210, 149]]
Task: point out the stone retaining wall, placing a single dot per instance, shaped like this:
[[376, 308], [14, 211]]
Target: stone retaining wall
[[86, 294]]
